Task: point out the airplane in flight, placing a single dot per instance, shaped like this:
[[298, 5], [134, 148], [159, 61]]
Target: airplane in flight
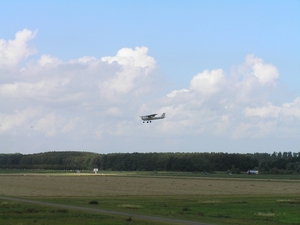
[[148, 118]]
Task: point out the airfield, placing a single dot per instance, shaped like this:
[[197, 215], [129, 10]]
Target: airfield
[[47, 185], [133, 194]]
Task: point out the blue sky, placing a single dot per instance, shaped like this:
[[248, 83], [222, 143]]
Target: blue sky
[[227, 74]]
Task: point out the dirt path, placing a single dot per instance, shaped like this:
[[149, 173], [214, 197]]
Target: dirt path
[[144, 217]]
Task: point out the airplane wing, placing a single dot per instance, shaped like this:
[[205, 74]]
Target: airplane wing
[[151, 115]]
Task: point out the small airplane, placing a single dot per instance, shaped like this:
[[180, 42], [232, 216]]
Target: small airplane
[[148, 118]]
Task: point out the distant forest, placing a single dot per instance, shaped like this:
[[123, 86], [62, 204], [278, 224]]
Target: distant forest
[[275, 163]]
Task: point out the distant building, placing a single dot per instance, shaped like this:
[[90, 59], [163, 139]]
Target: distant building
[[252, 172]]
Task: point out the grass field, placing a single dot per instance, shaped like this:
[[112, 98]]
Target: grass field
[[221, 174], [214, 200], [15, 213]]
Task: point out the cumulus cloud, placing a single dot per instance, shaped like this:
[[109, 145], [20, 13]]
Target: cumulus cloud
[[81, 94], [12, 52], [255, 67], [268, 111], [289, 110], [48, 61], [135, 67], [36, 90], [49, 124], [222, 105], [99, 100], [176, 92], [12, 121], [208, 82]]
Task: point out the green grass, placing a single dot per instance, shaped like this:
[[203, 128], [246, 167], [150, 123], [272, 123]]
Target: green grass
[[227, 210], [14, 213], [218, 174]]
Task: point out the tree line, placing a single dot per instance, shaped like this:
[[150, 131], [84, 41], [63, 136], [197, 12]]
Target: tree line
[[286, 162]]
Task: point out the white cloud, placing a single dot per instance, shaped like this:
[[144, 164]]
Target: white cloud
[[37, 90], [98, 132], [15, 122], [289, 111], [47, 60], [75, 98], [114, 111], [252, 130], [99, 100], [135, 67], [255, 67], [265, 73], [223, 106], [208, 82], [269, 111], [71, 125], [175, 92], [50, 124], [14, 51]]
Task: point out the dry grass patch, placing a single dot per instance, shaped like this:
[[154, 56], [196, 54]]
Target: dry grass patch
[[291, 201], [210, 201], [129, 206], [265, 214], [97, 185]]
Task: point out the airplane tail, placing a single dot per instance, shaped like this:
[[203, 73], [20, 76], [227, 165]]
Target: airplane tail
[[163, 115]]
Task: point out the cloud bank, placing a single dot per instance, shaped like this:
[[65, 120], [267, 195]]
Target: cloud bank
[[49, 104]]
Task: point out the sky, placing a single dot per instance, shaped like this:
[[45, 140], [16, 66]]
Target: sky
[[77, 76]]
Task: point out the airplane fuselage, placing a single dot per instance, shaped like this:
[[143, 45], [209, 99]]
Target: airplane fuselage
[[148, 118], [154, 118]]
